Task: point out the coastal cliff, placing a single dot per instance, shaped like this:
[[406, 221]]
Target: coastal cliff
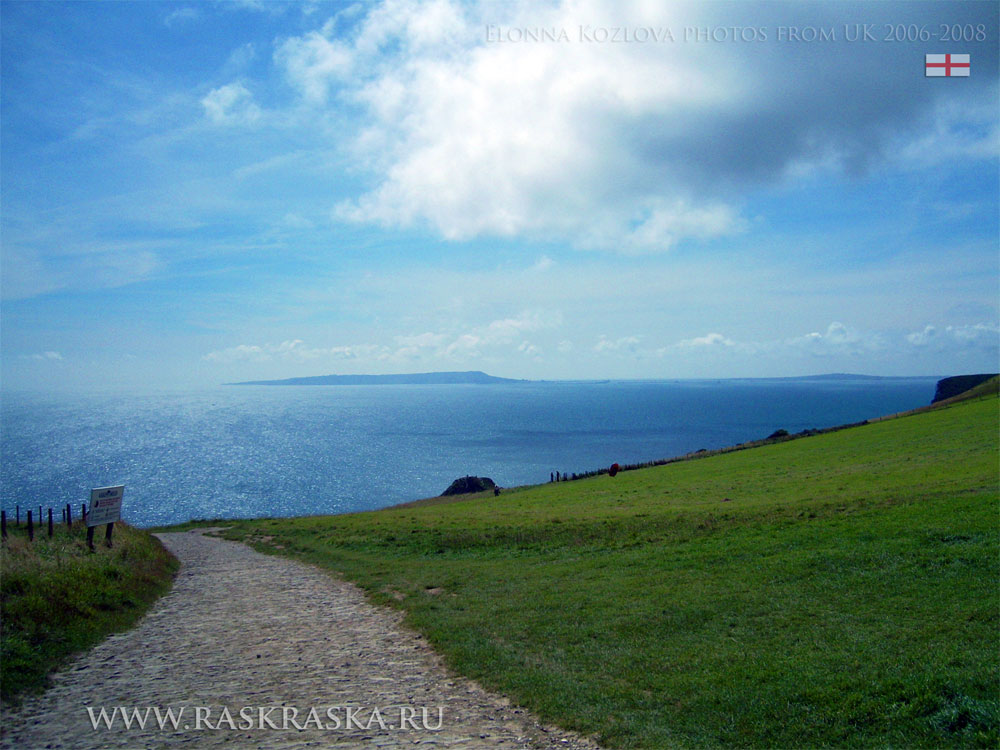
[[949, 387]]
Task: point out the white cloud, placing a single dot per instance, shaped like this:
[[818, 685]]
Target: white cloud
[[980, 332], [921, 338], [852, 344], [419, 345], [466, 345], [711, 340], [985, 335], [837, 347], [231, 104], [486, 139], [839, 339], [529, 350], [625, 343], [628, 147], [500, 337], [293, 350], [313, 63], [509, 328], [44, 357], [964, 126], [665, 224]]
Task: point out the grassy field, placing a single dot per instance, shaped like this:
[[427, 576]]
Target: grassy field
[[57, 598], [837, 590]]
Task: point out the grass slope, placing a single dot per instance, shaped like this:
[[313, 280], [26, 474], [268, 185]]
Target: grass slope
[[57, 598], [839, 590]]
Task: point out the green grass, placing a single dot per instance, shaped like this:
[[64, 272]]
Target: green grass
[[838, 590], [57, 598]]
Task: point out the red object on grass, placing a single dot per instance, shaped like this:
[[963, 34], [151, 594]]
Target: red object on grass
[[615, 468]]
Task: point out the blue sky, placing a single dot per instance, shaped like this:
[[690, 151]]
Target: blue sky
[[200, 192]]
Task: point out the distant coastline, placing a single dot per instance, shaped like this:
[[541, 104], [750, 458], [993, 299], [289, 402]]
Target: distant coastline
[[294, 451], [477, 377], [474, 377]]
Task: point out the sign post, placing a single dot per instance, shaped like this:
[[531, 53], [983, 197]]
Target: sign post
[[105, 508]]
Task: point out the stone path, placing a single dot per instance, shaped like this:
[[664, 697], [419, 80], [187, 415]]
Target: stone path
[[305, 657]]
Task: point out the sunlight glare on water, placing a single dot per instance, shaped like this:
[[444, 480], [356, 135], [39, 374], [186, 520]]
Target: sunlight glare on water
[[253, 451]]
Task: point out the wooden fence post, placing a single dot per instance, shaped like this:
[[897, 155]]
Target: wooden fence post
[[3, 523], [90, 538], [31, 529], [50, 523], [107, 533], [69, 516], [17, 519]]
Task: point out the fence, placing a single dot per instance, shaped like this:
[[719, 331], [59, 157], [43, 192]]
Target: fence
[[33, 522]]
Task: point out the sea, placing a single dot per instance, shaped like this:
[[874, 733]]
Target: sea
[[258, 451]]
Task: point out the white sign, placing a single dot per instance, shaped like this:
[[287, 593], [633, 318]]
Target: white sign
[[105, 505]]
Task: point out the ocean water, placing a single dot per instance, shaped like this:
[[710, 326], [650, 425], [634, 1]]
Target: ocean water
[[251, 451]]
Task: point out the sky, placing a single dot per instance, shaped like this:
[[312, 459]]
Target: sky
[[202, 192]]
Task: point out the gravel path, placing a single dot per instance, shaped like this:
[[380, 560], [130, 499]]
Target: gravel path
[[305, 657]]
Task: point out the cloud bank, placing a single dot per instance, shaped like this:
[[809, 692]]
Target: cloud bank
[[516, 119]]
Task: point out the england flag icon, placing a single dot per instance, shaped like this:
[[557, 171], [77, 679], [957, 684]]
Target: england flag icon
[[950, 66]]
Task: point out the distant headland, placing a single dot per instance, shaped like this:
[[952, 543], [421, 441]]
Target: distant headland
[[474, 377]]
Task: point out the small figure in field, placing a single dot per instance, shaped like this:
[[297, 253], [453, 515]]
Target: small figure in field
[[496, 490], [552, 477]]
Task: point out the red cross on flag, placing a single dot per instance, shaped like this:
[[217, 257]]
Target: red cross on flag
[[936, 66]]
